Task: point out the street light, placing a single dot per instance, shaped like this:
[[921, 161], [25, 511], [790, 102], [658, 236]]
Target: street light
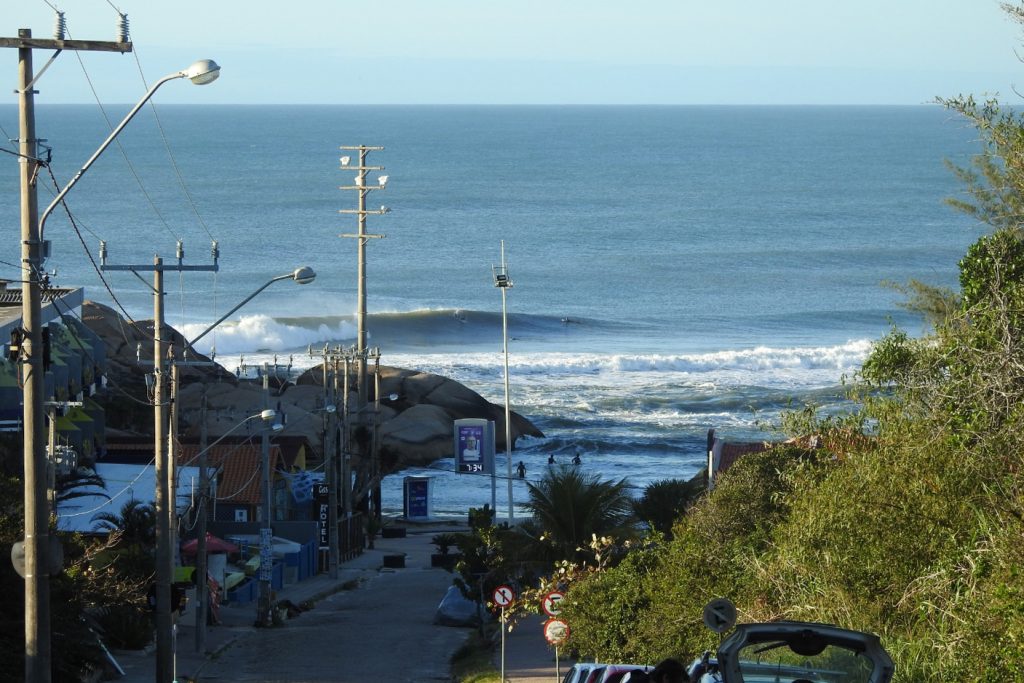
[[302, 275], [268, 417], [33, 253], [200, 72], [502, 281]]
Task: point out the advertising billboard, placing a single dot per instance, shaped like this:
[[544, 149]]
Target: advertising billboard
[[474, 446]]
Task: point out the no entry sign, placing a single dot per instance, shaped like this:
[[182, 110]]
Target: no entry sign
[[503, 596]]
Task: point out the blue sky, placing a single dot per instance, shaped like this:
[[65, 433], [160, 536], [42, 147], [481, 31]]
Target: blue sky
[[535, 51]]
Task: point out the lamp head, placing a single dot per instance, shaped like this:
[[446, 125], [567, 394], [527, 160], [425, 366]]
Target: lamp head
[[330, 408], [268, 415], [304, 275], [202, 72], [276, 427]]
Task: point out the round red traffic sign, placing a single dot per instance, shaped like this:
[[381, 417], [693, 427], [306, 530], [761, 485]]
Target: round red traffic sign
[[552, 603], [556, 631], [503, 596]]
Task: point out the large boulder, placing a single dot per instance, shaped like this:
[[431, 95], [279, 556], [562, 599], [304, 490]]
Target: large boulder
[[417, 424], [416, 427]]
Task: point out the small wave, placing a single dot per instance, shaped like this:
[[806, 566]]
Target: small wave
[[418, 329], [761, 366]]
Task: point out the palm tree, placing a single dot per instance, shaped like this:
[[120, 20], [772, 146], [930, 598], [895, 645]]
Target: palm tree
[[79, 483], [136, 522], [571, 506], [665, 501]]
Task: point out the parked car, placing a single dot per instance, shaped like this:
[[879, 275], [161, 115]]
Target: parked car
[[614, 673], [610, 673], [579, 672], [795, 652]]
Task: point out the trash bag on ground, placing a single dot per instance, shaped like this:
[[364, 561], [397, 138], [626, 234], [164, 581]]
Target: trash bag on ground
[[456, 610]]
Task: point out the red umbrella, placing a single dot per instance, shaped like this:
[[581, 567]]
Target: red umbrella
[[213, 545]]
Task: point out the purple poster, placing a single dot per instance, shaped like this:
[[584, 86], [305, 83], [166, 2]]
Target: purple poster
[[470, 455]]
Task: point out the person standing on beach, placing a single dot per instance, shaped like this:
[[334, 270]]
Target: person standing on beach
[[551, 459]]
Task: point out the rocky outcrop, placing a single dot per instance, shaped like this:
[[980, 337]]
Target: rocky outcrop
[[415, 426]]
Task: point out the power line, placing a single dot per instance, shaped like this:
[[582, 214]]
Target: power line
[[92, 260], [120, 147], [170, 154]]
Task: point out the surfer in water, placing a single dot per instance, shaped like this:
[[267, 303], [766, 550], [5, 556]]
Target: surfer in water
[[576, 459], [459, 315]]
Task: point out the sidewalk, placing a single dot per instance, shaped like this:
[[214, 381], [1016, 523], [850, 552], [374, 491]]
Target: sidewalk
[[528, 656], [237, 619]]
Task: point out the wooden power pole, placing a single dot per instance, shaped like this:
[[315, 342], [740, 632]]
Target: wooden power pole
[[33, 252]]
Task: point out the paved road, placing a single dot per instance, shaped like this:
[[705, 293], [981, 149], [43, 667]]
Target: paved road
[[528, 657], [382, 631]]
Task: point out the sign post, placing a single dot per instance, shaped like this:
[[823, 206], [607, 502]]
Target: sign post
[[552, 603], [555, 632], [503, 596]]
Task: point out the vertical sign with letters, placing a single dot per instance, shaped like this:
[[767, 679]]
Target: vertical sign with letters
[[321, 498]]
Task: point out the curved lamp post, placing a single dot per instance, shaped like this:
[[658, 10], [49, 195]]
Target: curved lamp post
[[268, 416], [33, 253], [200, 72], [302, 275]]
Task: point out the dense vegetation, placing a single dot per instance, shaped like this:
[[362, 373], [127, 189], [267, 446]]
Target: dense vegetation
[[907, 520]]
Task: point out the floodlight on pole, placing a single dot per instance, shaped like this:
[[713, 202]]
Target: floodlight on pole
[[502, 281]]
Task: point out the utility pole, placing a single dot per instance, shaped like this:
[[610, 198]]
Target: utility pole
[[330, 366], [165, 503], [264, 613], [204, 500], [362, 212], [33, 252]]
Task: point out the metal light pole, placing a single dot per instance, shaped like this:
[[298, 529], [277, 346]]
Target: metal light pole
[[268, 416], [302, 275], [503, 282], [263, 615]]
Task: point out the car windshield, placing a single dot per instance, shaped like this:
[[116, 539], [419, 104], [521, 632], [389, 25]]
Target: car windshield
[[777, 662]]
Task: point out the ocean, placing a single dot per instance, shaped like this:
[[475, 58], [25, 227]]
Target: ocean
[[675, 269]]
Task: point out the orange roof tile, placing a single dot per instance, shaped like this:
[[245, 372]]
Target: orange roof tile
[[240, 463]]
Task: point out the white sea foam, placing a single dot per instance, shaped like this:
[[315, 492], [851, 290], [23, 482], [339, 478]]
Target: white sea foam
[[261, 333]]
